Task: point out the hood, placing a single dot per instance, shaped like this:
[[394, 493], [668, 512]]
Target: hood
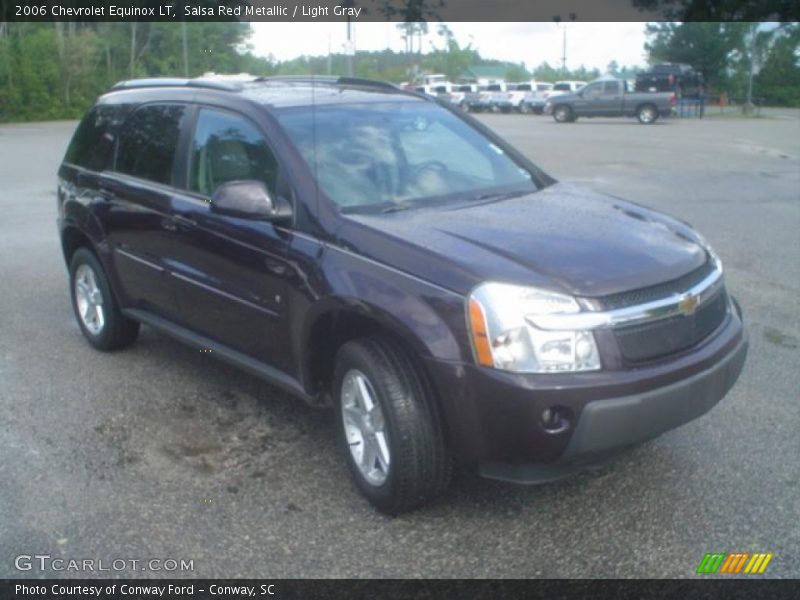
[[563, 238]]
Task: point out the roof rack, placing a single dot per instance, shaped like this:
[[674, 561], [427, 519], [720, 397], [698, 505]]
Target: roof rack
[[227, 86], [235, 86], [330, 80]]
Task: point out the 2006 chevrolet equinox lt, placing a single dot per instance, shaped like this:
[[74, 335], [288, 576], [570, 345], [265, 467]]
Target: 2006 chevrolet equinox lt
[[373, 249]]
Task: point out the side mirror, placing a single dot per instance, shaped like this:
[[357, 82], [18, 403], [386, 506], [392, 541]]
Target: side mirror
[[249, 199]]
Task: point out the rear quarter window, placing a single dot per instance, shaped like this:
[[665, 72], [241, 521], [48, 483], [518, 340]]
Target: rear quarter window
[[148, 142], [92, 146]]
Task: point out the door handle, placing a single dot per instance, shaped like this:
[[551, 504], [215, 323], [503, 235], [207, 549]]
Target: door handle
[[183, 221], [105, 193], [177, 222]]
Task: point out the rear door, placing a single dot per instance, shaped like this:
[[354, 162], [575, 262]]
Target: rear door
[[138, 197], [231, 272]]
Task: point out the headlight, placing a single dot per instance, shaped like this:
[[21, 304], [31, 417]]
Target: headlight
[[504, 337]]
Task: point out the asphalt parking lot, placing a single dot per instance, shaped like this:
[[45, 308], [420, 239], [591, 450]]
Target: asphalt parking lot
[[160, 452]]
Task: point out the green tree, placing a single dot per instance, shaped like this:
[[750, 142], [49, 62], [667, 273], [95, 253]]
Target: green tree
[[778, 81], [517, 73], [452, 61], [723, 10], [711, 48], [56, 70]]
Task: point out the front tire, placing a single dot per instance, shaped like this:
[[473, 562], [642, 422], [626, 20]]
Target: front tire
[[389, 426], [562, 114], [96, 310]]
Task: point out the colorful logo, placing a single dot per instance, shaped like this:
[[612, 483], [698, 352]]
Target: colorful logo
[[735, 563]]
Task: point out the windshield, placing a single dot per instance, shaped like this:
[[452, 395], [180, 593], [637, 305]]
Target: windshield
[[391, 155]]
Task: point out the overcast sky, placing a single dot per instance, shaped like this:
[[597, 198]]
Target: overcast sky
[[589, 44]]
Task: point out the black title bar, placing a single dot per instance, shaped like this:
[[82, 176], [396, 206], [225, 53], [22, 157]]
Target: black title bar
[[312, 589], [400, 10]]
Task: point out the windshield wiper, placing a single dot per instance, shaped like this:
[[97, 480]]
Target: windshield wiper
[[396, 208], [489, 198], [500, 195]]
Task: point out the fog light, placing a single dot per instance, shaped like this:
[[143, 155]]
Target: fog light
[[555, 419]]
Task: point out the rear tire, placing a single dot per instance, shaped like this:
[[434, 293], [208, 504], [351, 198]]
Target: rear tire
[[389, 426], [96, 310], [647, 114]]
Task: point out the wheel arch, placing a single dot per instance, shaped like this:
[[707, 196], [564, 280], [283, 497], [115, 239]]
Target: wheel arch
[[341, 322], [73, 238]]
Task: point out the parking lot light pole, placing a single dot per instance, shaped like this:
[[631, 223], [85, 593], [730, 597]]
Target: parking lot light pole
[[563, 27]]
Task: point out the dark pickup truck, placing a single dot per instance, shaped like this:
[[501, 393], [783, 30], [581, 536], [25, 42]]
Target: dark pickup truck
[[681, 79], [610, 98]]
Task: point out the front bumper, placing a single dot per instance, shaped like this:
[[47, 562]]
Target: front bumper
[[494, 419]]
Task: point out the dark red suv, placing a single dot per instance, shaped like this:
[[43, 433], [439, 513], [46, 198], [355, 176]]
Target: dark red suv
[[376, 250]]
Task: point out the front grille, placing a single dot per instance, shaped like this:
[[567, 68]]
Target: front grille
[[655, 339], [656, 292]]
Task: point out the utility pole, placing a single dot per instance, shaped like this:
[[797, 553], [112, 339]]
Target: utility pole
[[563, 27], [185, 50], [329, 54], [349, 49], [749, 105]]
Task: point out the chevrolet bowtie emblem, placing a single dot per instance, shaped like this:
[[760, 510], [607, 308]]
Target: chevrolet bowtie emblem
[[688, 304]]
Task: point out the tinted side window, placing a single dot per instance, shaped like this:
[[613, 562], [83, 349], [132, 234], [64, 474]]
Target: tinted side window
[[227, 147], [592, 91], [148, 141], [92, 146]]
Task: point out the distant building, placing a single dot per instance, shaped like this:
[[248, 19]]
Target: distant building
[[483, 75]]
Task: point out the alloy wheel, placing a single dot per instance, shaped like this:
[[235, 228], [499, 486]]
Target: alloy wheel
[[365, 427], [89, 300], [647, 115]]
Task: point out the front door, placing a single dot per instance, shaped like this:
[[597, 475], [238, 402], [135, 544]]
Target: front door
[[589, 100], [230, 273]]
